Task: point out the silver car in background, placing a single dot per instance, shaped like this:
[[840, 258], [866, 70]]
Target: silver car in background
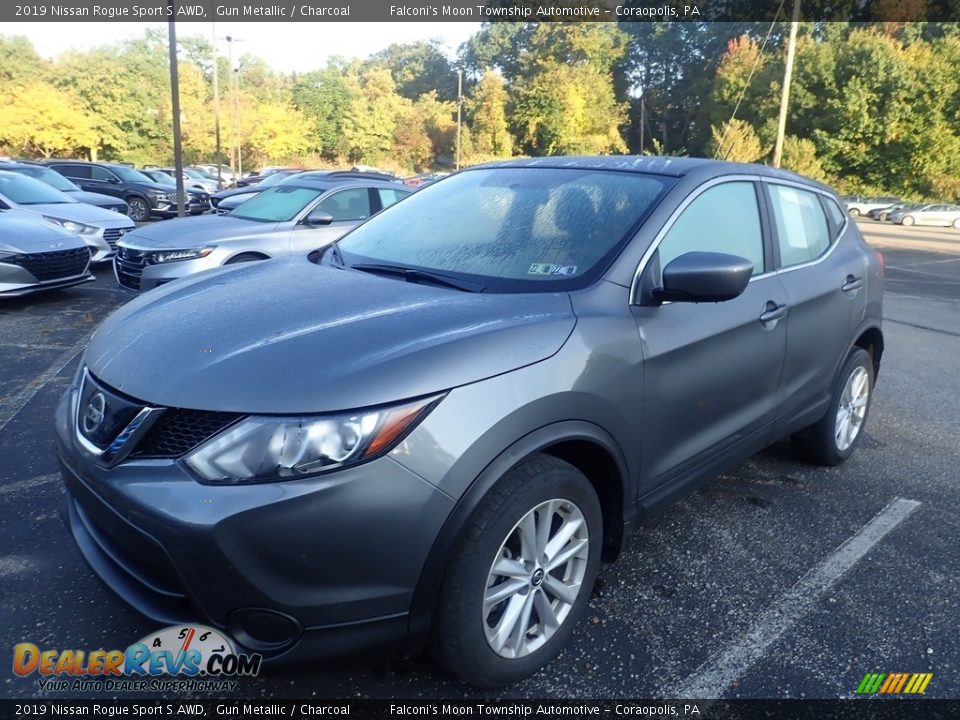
[[37, 255], [98, 228], [937, 214], [294, 218]]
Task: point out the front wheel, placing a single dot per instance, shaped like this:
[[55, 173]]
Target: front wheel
[[244, 257], [139, 209], [521, 576], [907, 220], [834, 438], [956, 223]]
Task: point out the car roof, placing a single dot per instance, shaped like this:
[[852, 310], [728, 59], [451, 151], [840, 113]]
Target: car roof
[[654, 165], [333, 183]]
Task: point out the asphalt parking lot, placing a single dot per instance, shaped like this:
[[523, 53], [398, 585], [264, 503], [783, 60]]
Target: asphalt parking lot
[[775, 580]]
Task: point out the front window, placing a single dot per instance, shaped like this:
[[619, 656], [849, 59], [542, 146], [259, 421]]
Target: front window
[[511, 229], [278, 204], [27, 191]]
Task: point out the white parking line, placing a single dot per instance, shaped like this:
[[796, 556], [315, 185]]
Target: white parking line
[[9, 411], [714, 678]]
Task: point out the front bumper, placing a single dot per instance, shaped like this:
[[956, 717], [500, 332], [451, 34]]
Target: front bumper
[[306, 568], [16, 280], [136, 277]]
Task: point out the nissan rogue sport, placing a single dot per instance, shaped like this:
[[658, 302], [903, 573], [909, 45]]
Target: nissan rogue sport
[[432, 431]]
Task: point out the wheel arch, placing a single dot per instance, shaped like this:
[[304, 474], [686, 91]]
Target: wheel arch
[[584, 445], [871, 340]]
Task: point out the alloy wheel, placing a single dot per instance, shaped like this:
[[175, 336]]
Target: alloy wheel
[[535, 579], [852, 408]]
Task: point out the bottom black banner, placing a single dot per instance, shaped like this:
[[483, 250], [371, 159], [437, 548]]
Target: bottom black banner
[[303, 709]]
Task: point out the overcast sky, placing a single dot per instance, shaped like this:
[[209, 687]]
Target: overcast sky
[[286, 46]]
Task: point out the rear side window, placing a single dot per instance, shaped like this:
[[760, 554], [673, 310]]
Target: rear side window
[[74, 171], [837, 216], [722, 219], [802, 231], [388, 196]]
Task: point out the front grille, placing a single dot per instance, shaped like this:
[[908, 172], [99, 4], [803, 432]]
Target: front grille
[[129, 265], [179, 431], [113, 235], [53, 265]]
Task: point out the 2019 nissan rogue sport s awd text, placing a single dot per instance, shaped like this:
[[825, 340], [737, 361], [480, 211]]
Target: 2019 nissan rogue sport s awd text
[[433, 430]]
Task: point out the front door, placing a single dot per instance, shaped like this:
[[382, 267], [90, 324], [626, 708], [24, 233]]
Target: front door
[[348, 207], [711, 370]]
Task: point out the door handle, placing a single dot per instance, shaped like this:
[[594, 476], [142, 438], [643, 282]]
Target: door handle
[[773, 312], [852, 283]]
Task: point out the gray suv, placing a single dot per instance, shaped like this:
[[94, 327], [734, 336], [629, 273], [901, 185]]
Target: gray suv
[[433, 430]]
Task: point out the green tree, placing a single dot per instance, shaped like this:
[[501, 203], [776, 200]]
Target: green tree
[[735, 141], [418, 68], [324, 96], [41, 119], [487, 110], [19, 61]]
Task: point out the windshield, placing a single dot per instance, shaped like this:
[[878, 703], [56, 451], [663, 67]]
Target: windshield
[[27, 191], [129, 174], [195, 174], [275, 179], [48, 176], [162, 177], [517, 229], [278, 204]]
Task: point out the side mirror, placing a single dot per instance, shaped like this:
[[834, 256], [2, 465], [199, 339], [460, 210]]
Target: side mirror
[[318, 218], [704, 277]]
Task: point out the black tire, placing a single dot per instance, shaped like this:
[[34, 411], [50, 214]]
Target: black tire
[[244, 257], [139, 209], [854, 212], [459, 640], [956, 223], [907, 220], [818, 443]]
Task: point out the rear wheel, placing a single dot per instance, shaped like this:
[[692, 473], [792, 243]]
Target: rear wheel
[[907, 220], [854, 212], [521, 576], [832, 440], [139, 209]]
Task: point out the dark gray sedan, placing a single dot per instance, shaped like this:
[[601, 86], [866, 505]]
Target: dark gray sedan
[[438, 427]]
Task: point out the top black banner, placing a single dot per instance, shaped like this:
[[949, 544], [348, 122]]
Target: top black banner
[[479, 10]]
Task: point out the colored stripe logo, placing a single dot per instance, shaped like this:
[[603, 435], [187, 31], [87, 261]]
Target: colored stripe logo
[[894, 683]]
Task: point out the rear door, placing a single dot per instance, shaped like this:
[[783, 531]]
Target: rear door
[[823, 271], [80, 174]]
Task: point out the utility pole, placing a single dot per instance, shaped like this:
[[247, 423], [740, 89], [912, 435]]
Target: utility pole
[[216, 103], [236, 105], [642, 108], [459, 109], [175, 102], [787, 76]]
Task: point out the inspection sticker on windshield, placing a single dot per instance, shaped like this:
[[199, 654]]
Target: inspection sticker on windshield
[[550, 269]]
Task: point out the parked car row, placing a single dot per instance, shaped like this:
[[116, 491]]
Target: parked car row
[[895, 210]]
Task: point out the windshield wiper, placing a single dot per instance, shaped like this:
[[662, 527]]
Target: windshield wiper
[[418, 275]]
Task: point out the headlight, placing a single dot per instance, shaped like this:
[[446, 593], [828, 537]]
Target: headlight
[[74, 227], [162, 196], [269, 449], [165, 256]]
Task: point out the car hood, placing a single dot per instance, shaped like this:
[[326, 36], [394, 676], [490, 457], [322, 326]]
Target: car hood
[[98, 199], [196, 232], [83, 213], [22, 232], [288, 336]]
